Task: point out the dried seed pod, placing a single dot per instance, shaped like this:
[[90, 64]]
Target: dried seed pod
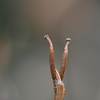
[[51, 59], [57, 78], [64, 59], [60, 91]]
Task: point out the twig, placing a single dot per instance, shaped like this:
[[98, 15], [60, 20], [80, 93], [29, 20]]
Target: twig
[[64, 59], [57, 78], [51, 60]]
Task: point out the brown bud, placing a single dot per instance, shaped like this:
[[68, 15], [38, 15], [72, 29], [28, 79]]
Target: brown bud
[[64, 59], [51, 58]]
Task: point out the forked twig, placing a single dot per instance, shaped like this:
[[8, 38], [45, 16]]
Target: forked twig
[[57, 78]]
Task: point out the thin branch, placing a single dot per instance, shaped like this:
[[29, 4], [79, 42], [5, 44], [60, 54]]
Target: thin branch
[[57, 78], [51, 60], [64, 59], [60, 91]]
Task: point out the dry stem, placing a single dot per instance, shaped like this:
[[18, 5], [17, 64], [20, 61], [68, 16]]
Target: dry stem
[[57, 78]]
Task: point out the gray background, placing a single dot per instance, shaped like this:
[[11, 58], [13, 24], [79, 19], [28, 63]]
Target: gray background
[[24, 54]]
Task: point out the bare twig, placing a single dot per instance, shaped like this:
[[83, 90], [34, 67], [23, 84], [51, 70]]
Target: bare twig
[[57, 78], [64, 59], [60, 88], [51, 60]]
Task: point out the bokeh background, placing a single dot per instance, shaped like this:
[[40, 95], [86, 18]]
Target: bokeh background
[[24, 54]]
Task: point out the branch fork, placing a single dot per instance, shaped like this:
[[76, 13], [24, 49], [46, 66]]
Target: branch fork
[[57, 77]]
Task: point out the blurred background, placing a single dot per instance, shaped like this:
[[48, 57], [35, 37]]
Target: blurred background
[[24, 54]]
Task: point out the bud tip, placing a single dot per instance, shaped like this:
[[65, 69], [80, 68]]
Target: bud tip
[[45, 36], [68, 39]]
